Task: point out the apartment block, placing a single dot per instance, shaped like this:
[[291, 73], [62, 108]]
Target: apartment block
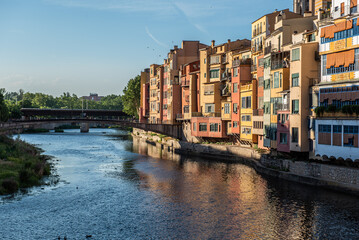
[[156, 94], [189, 52], [144, 112], [215, 89], [336, 125]]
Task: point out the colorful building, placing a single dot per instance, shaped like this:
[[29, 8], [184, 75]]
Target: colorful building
[[144, 112], [336, 124]]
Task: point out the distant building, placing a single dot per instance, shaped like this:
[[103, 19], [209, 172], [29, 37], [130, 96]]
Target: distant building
[[93, 97]]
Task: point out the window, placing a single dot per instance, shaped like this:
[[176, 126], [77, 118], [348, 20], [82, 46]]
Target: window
[[283, 138], [235, 87], [267, 108], [235, 72], [276, 80], [266, 84], [246, 130], [351, 129], [294, 135], [203, 127], [213, 127], [194, 127], [209, 107], [204, 61], [247, 102], [260, 103], [214, 59], [295, 106], [226, 108], [235, 107], [337, 129], [235, 124], [214, 73], [246, 118], [296, 54], [295, 80], [204, 75]]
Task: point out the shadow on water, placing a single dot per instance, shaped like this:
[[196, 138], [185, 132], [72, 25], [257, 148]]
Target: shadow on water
[[279, 209]]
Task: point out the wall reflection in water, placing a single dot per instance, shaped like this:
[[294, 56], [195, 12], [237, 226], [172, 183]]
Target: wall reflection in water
[[232, 201]]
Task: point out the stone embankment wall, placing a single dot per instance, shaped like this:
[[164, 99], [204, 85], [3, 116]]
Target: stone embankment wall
[[328, 176]]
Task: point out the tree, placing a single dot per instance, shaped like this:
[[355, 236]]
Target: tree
[[132, 96], [4, 111]]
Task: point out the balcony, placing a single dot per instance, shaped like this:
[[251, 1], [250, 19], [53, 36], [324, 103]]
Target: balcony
[[186, 109], [258, 112], [239, 62], [282, 107], [175, 81], [253, 68], [224, 59], [267, 50], [213, 114], [226, 76], [225, 90], [185, 83], [179, 116], [280, 60], [196, 114], [247, 87], [256, 49]]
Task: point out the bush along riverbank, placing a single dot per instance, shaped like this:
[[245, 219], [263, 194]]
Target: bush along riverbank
[[21, 165]]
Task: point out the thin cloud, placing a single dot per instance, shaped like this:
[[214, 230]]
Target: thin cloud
[[159, 6], [155, 39]]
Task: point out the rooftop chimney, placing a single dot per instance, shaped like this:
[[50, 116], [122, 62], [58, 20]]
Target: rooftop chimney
[[213, 43], [175, 47]]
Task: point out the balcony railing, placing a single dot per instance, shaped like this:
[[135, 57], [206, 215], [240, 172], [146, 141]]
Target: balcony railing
[[225, 90], [282, 106], [179, 116], [258, 112], [267, 50], [239, 62], [224, 59], [196, 114], [213, 114], [186, 109], [226, 76], [175, 82], [279, 64], [254, 68], [257, 48]]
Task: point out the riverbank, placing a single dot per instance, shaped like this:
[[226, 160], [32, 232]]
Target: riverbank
[[21, 165], [339, 178]]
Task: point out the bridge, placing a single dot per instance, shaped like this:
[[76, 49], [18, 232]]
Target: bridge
[[34, 118]]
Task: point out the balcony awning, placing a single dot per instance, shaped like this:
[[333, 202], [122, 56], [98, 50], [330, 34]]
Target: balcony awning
[[353, 3], [340, 59], [328, 32]]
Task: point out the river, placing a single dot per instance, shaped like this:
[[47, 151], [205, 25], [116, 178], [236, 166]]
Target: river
[[110, 187]]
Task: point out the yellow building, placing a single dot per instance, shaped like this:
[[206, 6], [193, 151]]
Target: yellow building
[[248, 104]]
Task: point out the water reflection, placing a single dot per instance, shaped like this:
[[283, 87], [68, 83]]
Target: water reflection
[[232, 200]]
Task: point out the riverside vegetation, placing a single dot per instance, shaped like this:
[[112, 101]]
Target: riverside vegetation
[[21, 165]]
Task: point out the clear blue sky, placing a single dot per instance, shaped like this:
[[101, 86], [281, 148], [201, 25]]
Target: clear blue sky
[[83, 46]]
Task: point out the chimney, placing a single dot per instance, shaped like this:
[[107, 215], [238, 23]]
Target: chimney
[[229, 40], [175, 47], [213, 43]]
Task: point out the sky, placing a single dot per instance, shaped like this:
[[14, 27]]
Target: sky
[[96, 46]]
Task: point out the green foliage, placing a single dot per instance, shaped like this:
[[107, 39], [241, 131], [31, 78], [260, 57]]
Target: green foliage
[[319, 111], [131, 96], [21, 165], [4, 111], [348, 109]]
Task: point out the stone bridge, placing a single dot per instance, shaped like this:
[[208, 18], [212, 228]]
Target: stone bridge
[[19, 126]]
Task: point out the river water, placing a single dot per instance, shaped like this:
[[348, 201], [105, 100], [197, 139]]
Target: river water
[[112, 188]]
